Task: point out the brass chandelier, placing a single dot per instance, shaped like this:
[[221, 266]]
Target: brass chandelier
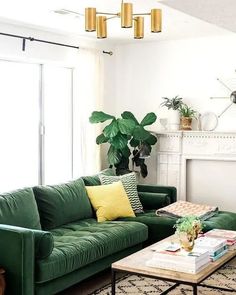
[[97, 21]]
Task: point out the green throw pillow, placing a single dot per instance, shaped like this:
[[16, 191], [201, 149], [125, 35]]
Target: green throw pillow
[[19, 208], [94, 179], [62, 203], [130, 185]]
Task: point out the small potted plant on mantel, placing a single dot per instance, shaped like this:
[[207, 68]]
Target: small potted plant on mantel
[[186, 116], [173, 105]]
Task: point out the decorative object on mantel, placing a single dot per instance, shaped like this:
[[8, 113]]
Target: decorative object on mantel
[[209, 121], [164, 123], [187, 229], [173, 105], [232, 96], [121, 133], [186, 116]]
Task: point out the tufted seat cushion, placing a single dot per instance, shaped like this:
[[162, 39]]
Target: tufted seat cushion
[[160, 227], [80, 243]]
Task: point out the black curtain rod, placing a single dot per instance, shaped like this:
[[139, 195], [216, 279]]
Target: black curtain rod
[[44, 41]]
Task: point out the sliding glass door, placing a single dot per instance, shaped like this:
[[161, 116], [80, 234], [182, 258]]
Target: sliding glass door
[[58, 139], [36, 124], [19, 119]]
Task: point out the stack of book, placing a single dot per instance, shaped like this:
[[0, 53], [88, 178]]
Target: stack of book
[[216, 247], [179, 260], [229, 235]]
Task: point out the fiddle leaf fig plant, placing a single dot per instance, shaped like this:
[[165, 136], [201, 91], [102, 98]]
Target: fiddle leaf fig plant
[[122, 134]]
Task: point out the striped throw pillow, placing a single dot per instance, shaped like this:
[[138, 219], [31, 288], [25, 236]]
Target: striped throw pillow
[[130, 185]]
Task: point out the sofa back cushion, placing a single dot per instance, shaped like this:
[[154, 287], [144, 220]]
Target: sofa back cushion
[[95, 180], [63, 203], [19, 208]]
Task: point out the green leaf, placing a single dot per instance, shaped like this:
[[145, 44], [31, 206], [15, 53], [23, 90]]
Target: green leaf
[[126, 152], [149, 119], [99, 117], [151, 139], [126, 126], [101, 139], [114, 155], [111, 130], [120, 141], [134, 142], [140, 133], [129, 115]]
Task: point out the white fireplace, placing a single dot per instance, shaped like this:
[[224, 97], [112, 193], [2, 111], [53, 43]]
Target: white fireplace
[[202, 165]]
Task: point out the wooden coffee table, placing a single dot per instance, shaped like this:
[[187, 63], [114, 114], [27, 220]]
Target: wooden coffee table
[[136, 264]]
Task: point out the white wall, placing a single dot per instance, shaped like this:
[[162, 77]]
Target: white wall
[[146, 72]]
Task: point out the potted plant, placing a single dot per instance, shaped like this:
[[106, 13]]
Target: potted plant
[[173, 105], [186, 116], [187, 229], [125, 133]]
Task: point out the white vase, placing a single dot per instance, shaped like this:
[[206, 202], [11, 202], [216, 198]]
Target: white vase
[[173, 119]]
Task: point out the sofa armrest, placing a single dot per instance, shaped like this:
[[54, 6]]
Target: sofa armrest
[[153, 200], [17, 258], [169, 190]]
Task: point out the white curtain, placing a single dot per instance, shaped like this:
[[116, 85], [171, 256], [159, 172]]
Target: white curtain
[[88, 92]]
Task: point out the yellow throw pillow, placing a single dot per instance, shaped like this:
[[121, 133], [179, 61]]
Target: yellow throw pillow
[[110, 201]]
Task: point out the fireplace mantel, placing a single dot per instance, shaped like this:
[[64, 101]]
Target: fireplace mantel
[[175, 148]]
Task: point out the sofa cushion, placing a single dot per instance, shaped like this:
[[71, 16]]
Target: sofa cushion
[[43, 243], [95, 180], [160, 227], [110, 201], [60, 204], [80, 243], [151, 200], [130, 184], [19, 208]]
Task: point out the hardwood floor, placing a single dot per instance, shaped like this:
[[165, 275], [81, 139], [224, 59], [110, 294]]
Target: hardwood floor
[[90, 285]]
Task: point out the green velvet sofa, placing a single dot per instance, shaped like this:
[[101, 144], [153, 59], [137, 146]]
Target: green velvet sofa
[[50, 239]]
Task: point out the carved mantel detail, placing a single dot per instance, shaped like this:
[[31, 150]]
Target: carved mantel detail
[[175, 148]]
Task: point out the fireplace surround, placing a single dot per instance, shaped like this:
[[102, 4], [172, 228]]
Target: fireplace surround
[[200, 164]]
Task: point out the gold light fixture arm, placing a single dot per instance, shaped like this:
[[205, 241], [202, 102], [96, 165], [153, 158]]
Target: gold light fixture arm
[[145, 13], [114, 16], [108, 13]]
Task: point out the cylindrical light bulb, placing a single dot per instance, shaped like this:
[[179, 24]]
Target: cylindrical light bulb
[[138, 27], [90, 19], [156, 20], [126, 15], [101, 27]]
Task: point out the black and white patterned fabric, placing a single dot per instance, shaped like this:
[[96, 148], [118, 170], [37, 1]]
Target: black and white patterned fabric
[[130, 185]]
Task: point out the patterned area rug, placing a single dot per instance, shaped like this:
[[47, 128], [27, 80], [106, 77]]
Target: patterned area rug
[[135, 284]]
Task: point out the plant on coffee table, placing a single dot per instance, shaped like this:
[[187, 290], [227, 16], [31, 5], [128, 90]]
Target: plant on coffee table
[[188, 228]]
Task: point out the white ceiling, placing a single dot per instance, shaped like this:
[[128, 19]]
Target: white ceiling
[[40, 14], [218, 12]]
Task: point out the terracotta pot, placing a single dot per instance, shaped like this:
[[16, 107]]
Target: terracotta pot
[[186, 123]]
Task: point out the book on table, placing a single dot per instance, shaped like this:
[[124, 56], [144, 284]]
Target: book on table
[[180, 260], [229, 235], [217, 247], [210, 243]]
